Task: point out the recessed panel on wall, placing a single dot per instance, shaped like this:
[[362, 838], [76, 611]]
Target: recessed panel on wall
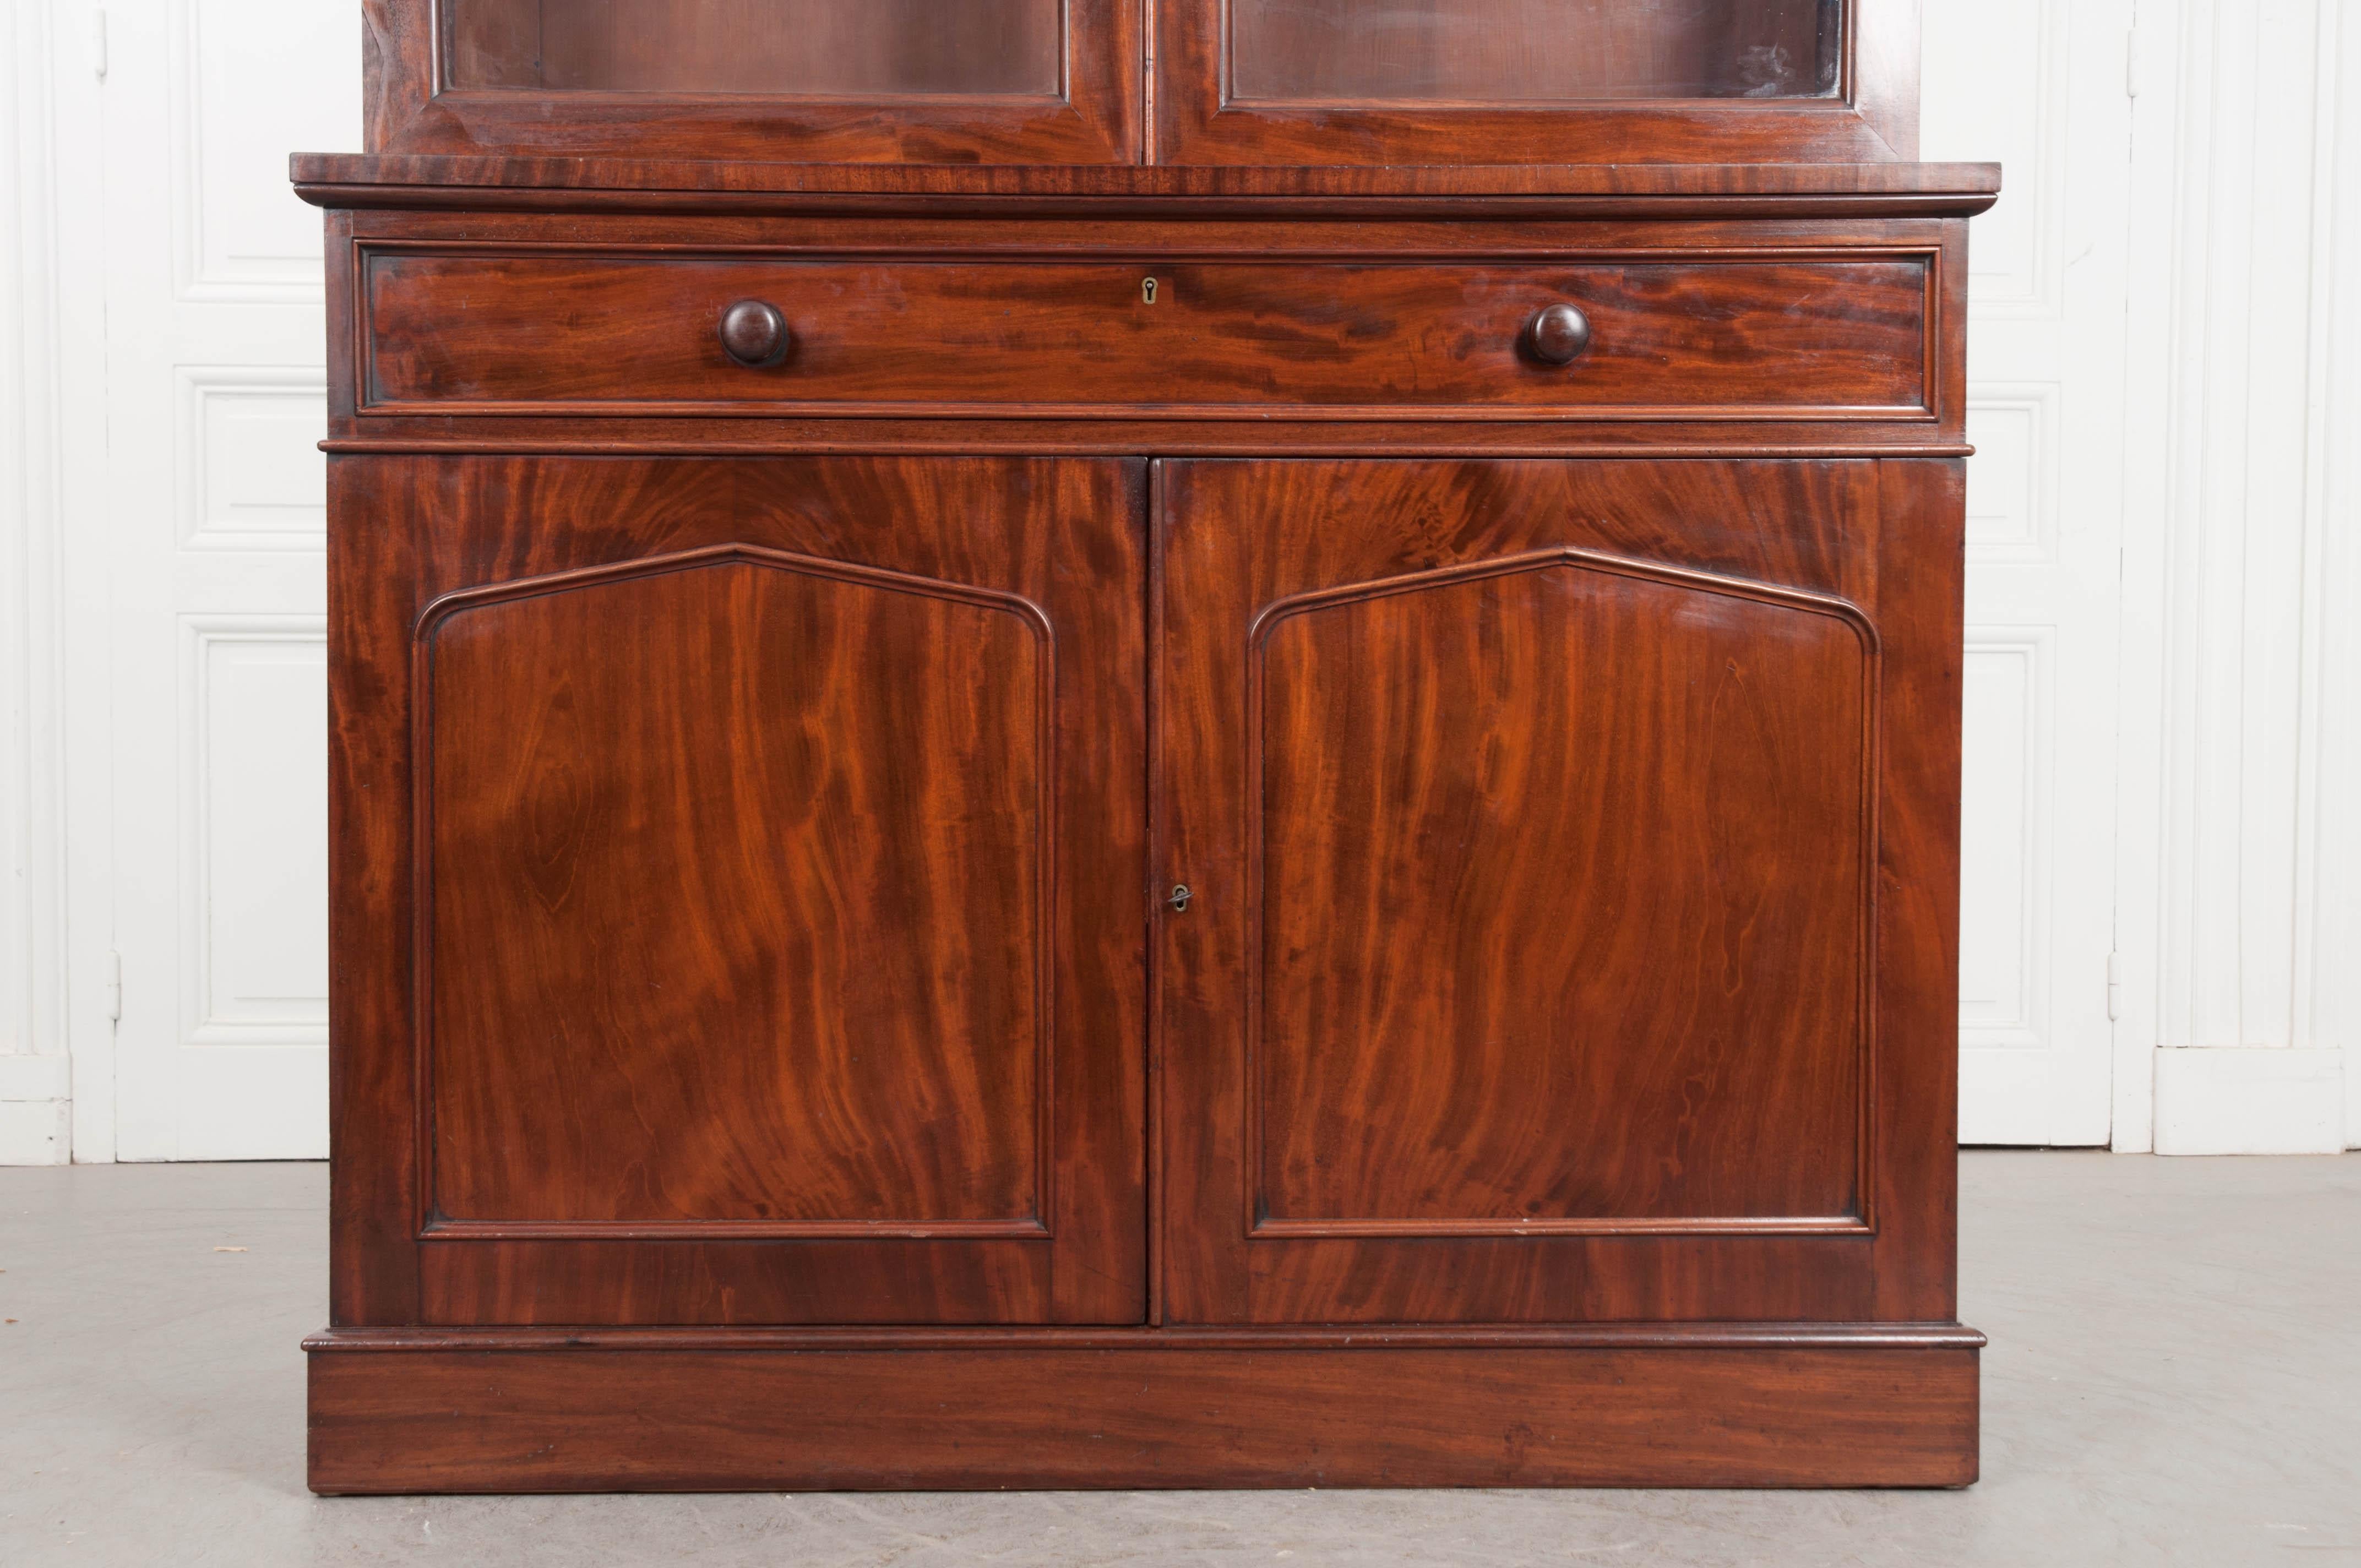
[[249, 471], [2013, 477], [248, 85], [1995, 87], [255, 958], [2005, 824]]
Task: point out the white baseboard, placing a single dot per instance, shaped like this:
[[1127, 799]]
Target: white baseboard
[[2249, 1100], [36, 1110]]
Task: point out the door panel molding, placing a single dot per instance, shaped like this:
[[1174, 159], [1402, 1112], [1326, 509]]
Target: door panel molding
[[1260, 1219]]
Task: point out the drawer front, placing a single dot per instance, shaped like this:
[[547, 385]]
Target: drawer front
[[1793, 336]]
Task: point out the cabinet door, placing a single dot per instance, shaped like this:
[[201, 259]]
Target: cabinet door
[[737, 878], [1279, 81], [814, 81], [1575, 889]]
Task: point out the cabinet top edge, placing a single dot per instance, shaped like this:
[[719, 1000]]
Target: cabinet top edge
[[367, 179]]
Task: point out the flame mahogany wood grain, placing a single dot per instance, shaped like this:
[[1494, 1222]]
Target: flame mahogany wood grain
[[779, 868], [924, 1419], [1422, 983], [1768, 335], [409, 107], [1519, 247], [705, 958], [359, 181], [1560, 865], [490, 1355]]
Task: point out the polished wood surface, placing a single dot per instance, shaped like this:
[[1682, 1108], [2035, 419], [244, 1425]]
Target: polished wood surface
[[818, 81], [887, 48], [1559, 863], [772, 837], [1309, 82], [350, 182], [1558, 334], [1083, 744], [934, 1418], [756, 334], [1496, 81], [1800, 334], [741, 923], [1538, 968]]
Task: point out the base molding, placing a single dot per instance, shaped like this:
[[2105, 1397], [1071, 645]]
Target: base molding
[[2249, 1100], [426, 1410]]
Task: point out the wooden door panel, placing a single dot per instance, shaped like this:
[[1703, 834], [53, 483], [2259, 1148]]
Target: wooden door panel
[[1532, 813], [1560, 868], [739, 919], [1506, 82], [772, 835], [995, 81]]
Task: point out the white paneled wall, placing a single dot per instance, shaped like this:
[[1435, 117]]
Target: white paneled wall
[[2162, 676], [2039, 85], [35, 1071], [2240, 764], [214, 511]]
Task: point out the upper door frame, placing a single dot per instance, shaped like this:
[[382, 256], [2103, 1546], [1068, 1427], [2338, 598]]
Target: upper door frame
[[1097, 119], [1873, 119]]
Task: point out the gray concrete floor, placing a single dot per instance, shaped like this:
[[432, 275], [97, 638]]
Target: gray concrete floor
[[2175, 1377]]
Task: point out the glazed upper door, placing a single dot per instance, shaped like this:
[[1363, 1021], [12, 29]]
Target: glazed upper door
[[737, 890], [821, 81], [1360, 81], [1573, 901]]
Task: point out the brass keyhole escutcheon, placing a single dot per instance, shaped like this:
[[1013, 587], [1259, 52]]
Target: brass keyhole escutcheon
[[1148, 291], [1180, 899]]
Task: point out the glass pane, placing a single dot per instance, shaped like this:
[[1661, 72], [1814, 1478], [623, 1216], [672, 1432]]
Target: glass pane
[[857, 49], [1500, 51]]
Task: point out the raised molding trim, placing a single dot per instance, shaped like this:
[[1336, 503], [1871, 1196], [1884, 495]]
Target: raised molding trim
[[2036, 647], [199, 277], [2041, 296], [202, 1020], [1258, 1217], [428, 1221], [35, 1074], [2329, 1001], [2038, 402], [197, 389]]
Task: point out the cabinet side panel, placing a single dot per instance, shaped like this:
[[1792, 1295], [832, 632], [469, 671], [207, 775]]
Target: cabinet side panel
[[372, 555], [1921, 524]]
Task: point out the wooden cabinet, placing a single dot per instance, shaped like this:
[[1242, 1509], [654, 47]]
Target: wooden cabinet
[[1226, 815], [1535, 949], [775, 833]]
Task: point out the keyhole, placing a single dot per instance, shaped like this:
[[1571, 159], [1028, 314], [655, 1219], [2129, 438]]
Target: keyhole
[[1148, 291], [1179, 898]]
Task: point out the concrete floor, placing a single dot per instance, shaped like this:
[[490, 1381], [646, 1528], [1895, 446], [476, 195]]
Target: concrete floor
[[2175, 1377]]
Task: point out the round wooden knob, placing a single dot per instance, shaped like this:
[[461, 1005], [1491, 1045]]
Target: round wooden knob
[[754, 333], [1558, 334]]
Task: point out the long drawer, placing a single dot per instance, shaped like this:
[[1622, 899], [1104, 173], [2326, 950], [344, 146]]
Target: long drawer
[[1803, 334]]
